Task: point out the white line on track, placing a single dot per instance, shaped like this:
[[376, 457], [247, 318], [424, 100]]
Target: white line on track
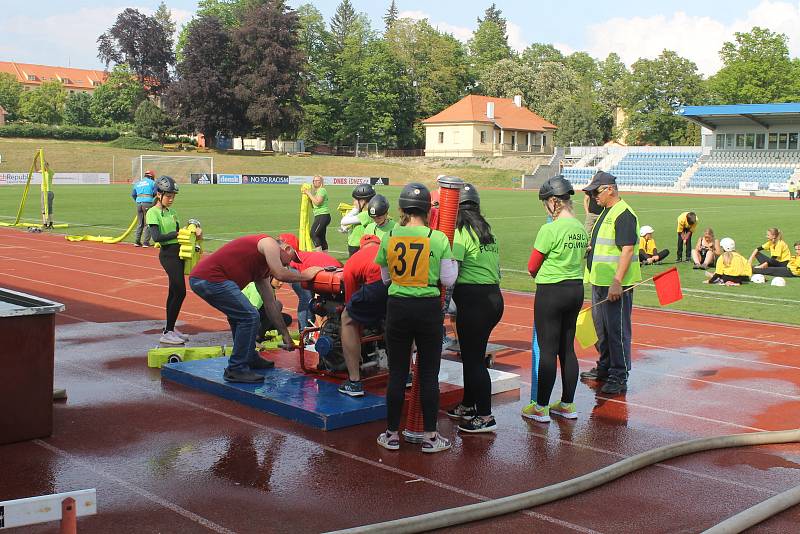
[[152, 497]]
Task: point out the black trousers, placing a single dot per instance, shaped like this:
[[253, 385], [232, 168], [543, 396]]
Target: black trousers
[[480, 307], [173, 266], [408, 321], [319, 229], [774, 271], [688, 247], [771, 262], [555, 312], [660, 253], [728, 278]]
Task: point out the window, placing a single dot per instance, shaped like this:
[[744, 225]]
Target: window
[[760, 138], [31, 77], [739, 140], [544, 140], [773, 141], [441, 137], [782, 139], [513, 139], [483, 137], [750, 140], [793, 141], [728, 140], [720, 141]]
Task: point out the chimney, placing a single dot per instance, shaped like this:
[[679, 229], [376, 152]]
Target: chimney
[[518, 101], [490, 110]]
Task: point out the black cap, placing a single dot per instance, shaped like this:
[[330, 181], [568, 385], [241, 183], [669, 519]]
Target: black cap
[[601, 178]]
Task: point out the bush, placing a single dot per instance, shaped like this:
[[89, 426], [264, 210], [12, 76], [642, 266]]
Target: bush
[[134, 143], [67, 132]]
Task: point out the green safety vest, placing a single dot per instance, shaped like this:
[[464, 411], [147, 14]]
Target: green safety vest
[[606, 253]]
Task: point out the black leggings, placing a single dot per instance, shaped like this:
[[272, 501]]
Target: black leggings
[[555, 311], [688, 246], [480, 307], [660, 253], [413, 320], [318, 230], [728, 278], [774, 271], [771, 262], [173, 266]]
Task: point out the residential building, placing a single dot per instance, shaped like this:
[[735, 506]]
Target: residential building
[[487, 126], [74, 80]]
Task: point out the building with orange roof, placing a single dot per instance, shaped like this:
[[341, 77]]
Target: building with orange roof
[[487, 126], [74, 80]]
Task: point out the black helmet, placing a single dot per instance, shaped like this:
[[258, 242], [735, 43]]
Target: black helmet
[[415, 195], [165, 184], [378, 206], [557, 186], [469, 195], [363, 192]]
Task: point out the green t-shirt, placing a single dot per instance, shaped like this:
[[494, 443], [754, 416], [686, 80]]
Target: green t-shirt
[[166, 219], [563, 243], [323, 208], [413, 255], [480, 264], [357, 230], [380, 231]]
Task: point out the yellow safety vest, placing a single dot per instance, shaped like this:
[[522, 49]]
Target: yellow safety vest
[[606, 253]]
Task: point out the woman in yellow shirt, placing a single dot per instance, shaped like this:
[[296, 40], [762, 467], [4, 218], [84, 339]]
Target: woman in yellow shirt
[[732, 268], [777, 248], [648, 252], [687, 223], [791, 269]]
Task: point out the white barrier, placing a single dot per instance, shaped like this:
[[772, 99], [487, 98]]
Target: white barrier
[[33, 510]]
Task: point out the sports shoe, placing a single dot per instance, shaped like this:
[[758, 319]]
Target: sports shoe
[[462, 412], [245, 377], [614, 386], [171, 338], [389, 440], [354, 388], [436, 444], [453, 346], [595, 373], [479, 423], [137, 245], [409, 380], [536, 412], [145, 245], [177, 332], [261, 363], [564, 409]]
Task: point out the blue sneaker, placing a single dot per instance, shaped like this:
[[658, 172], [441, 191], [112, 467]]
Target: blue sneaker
[[354, 388]]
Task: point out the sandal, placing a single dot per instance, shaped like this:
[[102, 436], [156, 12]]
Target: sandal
[[390, 441], [436, 444]]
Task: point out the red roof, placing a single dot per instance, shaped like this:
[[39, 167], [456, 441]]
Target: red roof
[[71, 78], [472, 108]]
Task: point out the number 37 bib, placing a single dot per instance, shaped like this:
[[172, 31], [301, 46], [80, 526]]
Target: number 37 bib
[[409, 259]]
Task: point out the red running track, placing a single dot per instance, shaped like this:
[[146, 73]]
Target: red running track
[[167, 459]]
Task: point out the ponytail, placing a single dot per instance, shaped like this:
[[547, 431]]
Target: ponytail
[[469, 216]]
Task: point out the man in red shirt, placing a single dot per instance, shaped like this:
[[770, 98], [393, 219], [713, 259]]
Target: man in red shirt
[[365, 294], [219, 279]]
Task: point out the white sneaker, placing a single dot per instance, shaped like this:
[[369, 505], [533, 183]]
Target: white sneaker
[[171, 338], [181, 335]]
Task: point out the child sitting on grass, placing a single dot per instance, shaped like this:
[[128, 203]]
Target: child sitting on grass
[[732, 269], [648, 253]]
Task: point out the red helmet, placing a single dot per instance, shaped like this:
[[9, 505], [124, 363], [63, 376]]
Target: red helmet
[[150, 173]]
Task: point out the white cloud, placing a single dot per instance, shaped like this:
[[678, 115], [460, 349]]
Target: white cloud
[[515, 37], [564, 48], [697, 38], [459, 32]]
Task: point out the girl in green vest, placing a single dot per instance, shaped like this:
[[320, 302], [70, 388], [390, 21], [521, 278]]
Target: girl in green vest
[[557, 265], [415, 260], [480, 307], [358, 218], [322, 214]]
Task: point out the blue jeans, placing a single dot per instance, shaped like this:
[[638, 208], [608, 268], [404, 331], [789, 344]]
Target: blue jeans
[[305, 317], [612, 320], [242, 317]]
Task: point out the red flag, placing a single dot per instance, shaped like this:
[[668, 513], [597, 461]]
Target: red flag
[[668, 286]]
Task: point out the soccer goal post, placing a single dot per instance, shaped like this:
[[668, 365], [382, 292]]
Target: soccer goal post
[[180, 168], [366, 150]]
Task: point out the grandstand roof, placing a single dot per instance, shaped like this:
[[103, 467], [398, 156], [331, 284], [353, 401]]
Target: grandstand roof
[[765, 115], [472, 108]]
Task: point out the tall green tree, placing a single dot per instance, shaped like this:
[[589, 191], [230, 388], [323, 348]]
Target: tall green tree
[[150, 121], [345, 23], [612, 75], [578, 122], [270, 58], [44, 104], [489, 43], [508, 78], [391, 15], [78, 109], [655, 89], [585, 67], [319, 107], [116, 100], [539, 53], [757, 69], [202, 98], [10, 92], [164, 17], [492, 14]]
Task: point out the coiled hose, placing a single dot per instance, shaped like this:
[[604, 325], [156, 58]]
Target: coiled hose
[[530, 499]]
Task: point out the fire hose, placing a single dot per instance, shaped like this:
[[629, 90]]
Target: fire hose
[[568, 488]]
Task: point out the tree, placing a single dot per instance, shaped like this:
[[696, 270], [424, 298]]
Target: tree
[[492, 14], [757, 69], [266, 79], [391, 15], [538, 53], [489, 44], [44, 104], [342, 24], [164, 17], [318, 105], [655, 89], [10, 92], [585, 67], [116, 100], [142, 43], [150, 121], [202, 98], [578, 121], [506, 79], [78, 109], [612, 76]]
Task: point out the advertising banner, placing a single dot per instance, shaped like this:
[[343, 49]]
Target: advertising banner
[[779, 187], [203, 178], [265, 179], [748, 186], [229, 178], [60, 178]]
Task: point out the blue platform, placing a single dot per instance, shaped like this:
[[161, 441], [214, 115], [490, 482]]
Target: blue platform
[[284, 393]]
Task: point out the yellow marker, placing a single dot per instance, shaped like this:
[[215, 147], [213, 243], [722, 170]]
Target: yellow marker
[[584, 329], [306, 211]]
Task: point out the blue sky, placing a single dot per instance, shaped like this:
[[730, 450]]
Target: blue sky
[[55, 32]]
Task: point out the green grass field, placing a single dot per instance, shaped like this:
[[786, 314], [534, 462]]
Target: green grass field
[[230, 211]]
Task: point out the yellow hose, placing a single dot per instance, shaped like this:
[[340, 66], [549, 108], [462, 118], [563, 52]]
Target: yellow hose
[[103, 239]]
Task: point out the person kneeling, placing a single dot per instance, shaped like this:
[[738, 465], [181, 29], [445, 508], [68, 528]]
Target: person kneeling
[[648, 253], [365, 297]]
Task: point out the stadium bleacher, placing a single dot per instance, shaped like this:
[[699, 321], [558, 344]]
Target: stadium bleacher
[[653, 169], [725, 169]]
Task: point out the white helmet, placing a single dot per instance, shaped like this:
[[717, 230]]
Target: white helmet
[[727, 244], [644, 230], [758, 279], [778, 282]]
